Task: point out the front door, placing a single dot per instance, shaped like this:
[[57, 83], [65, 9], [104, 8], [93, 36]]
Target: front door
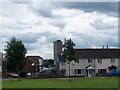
[[90, 73]]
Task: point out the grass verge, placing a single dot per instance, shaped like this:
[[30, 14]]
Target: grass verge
[[83, 82]]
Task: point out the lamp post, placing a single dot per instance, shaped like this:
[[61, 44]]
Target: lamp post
[[34, 68]]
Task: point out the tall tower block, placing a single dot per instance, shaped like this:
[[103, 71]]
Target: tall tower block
[[57, 49]]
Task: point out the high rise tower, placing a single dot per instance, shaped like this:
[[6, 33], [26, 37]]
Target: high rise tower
[[57, 50]]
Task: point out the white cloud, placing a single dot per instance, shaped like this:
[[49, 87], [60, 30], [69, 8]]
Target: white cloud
[[63, 12], [43, 9], [38, 25], [101, 24]]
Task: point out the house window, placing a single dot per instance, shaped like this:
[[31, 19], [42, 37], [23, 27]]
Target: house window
[[63, 72], [89, 60], [78, 71], [101, 70], [77, 61], [99, 60], [75, 71], [112, 60]]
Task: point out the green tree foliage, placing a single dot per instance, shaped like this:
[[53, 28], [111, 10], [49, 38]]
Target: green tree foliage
[[47, 63], [15, 52], [51, 61], [68, 52]]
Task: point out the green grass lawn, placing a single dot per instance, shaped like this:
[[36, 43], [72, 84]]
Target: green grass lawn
[[83, 82]]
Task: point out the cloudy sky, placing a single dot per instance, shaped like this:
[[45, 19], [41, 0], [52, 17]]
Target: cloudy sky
[[39, 24]]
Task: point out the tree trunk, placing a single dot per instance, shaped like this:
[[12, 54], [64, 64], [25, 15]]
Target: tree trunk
[[69, 73], [27, 68], [18, 72]]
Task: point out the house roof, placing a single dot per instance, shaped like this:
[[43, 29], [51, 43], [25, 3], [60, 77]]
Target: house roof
[[97, 53], [36, 58], [90, 67]]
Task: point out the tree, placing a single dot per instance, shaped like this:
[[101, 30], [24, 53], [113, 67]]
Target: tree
[[68, 53], [15, 53], [51, 61], [48, 63], [45, 63]]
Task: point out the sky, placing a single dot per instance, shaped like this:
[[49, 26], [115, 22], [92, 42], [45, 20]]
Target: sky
[[39, 24]]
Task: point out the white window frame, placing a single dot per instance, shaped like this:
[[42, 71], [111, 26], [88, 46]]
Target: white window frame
[[99, 60], [77, 61], [90, 61], [112, 60]]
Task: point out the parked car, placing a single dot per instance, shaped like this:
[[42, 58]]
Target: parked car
[[13, 75], [113, 73]]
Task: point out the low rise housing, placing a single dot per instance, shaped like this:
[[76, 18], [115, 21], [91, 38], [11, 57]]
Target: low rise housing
[[92, 62], [32, 64], [88, 62]]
